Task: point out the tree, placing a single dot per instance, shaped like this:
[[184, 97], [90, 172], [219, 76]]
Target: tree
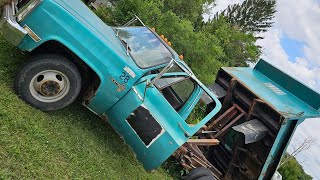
[[252, 16], [305, 145], [289, 166], [292, 170], [238, 47], [191, 10]]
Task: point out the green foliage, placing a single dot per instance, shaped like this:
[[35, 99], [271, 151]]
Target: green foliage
[[251, 15], [197, 114], [237, 46], [292, 170], [191, 10]]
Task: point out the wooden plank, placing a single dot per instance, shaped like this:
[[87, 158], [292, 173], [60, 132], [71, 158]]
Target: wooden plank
[[204, 142]]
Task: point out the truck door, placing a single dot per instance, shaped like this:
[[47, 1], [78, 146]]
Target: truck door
[[152, 118], [189, 100], [158, 113]]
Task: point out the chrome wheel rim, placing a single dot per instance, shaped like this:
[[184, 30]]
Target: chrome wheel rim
[[49, 86]]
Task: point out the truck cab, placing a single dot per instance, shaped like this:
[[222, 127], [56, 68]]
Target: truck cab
[[129, 75]]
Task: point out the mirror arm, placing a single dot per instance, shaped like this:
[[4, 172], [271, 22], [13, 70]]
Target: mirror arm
[[166, 69]]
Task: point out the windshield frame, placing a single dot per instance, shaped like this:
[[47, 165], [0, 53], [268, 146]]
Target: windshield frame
[[173, 54]]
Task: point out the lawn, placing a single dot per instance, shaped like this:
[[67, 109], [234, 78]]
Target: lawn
[[72, 143]]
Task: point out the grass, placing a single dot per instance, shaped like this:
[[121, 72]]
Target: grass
[[71, 143]]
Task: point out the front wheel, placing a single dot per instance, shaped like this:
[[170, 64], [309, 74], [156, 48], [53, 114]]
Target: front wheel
[[48, 82]]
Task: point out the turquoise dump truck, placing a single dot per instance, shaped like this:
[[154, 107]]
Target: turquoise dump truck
[[238, 128]]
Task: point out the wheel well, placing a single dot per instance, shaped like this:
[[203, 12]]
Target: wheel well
[[90, 79]]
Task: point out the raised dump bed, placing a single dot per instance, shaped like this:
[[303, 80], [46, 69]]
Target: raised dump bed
[[261, 109]]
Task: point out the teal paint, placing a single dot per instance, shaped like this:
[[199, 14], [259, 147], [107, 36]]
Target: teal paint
[[284, 95], [289, 97], [173, 137], [298, 89]]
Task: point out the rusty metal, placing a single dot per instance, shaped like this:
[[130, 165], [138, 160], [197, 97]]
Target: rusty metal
[[243, 166], [252, 107], [226, 120], [203, 142], [227, 127], [216, 123], [191, 156], [228, 97]]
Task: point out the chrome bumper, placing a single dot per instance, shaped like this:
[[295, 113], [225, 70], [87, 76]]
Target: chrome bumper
[[9, 27]]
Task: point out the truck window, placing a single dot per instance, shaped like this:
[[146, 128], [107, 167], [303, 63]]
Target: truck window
[[145, 47], [176, 90]]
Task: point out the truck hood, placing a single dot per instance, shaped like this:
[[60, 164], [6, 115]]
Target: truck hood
[[93, 22]]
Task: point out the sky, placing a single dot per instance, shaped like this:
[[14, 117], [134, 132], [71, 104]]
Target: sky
[[292, 46]]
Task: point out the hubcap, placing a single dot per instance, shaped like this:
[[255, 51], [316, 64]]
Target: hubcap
[[49, 86]]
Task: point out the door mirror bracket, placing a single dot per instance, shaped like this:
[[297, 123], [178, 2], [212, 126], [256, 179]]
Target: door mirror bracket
[[166, 69]]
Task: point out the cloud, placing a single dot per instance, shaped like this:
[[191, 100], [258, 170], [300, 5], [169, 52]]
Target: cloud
[[297, 20], [301, 68], [300, 21]]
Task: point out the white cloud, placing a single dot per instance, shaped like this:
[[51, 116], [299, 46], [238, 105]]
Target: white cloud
[[299, 20], [301, 69]]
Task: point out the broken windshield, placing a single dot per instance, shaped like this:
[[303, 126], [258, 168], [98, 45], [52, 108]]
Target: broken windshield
[[145, 47]]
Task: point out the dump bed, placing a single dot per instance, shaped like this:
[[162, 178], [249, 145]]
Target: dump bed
[[273, 98], [261, 109]]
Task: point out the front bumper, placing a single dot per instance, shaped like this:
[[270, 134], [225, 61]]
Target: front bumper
[[9, 27]]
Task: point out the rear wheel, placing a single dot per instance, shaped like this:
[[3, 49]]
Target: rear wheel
[[48, 82], [200, 173]]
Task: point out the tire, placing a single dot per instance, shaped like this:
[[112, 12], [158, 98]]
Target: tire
[[200, 173], [48, 82]]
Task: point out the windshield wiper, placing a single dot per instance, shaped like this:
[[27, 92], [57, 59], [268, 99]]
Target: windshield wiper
[[117, 34], [127, 46]]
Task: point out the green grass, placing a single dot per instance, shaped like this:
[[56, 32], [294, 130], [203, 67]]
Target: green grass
[[71, 143]]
